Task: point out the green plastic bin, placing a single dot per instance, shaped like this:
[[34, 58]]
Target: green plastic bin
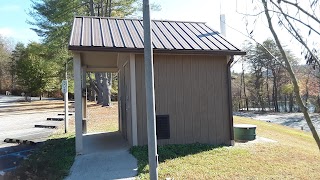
[[244, 132]]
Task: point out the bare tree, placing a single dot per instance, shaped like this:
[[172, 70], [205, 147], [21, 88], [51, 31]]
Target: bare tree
[[292, 76]]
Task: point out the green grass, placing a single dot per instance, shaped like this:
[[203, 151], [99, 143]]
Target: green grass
[[52, 160], [293, 156]]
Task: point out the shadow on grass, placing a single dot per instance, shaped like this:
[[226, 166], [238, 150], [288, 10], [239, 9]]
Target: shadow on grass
[[52, 160], [167, 152]]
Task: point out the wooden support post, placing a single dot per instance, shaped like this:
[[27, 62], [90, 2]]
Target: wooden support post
[[78, 102], [133, 100]]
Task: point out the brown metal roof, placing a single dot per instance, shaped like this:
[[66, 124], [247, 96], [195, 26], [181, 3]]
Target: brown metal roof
[[115, 34]]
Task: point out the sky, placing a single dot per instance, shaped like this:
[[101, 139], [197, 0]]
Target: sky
[[14, 16], [13, 21]]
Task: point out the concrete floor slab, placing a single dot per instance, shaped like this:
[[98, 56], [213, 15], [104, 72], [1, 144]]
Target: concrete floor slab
[[106, 156]]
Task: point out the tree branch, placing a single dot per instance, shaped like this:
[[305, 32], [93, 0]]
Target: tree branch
[[293, 78], [297, 36], [301, 9]]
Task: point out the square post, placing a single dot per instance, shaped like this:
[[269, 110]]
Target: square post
[[78, 102], [150, 99]]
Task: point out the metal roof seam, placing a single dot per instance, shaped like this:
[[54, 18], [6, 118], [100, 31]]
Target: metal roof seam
[[189, 35], [92, 32], [125, 24], [120, 33], [155, 34], [172, 34], [81, 34], [181, 34], [101, 33], [196, 35], [143, 37], [110, 31], [211, 34], [164, 35], [205, 36], [126, 35], [72, 31], [142, 40]]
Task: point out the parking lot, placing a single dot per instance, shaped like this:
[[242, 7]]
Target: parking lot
[[18, 120]]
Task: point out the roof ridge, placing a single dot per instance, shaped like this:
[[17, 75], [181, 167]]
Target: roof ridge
[[158, 20]]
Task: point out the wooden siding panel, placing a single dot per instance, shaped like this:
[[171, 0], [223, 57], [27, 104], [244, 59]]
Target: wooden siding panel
[[195, 100], [211, 89], [219, 98], [187, 99], [191, 89], [179, 95], [161, 89], [171, 100], [225, 113], [203, 100], [128, 102], [140, 103]]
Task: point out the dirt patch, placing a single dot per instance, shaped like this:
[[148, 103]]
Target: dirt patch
[[100, 119]]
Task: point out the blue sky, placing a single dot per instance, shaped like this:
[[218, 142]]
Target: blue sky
[[13, 17]]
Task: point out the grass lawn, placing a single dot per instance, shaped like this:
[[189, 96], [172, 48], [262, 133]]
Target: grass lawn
[[293, 156]]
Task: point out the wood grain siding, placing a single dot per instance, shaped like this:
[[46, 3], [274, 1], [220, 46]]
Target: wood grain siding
[[192, 90]]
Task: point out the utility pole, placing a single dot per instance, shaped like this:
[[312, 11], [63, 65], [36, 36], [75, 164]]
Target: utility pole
[[150, 102]]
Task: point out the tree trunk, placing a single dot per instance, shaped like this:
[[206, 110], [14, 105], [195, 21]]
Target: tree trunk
[[244, 89], [291, 102], [293, 78], [106, 90], [100, 88], [268, 92], [91, 8], [275, 93], [285, 103], [318, 104]]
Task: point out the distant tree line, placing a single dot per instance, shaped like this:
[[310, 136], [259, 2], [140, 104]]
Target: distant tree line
[[265, 85]]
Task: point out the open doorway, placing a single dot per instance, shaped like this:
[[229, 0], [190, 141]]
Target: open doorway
[[102, 103]]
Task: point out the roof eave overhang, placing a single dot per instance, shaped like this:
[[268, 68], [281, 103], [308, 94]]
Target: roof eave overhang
[[164, 51]]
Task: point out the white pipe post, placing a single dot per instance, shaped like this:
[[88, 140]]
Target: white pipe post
[[150, 102], [66, 108]]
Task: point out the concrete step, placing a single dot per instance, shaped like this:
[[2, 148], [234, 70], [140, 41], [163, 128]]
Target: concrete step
[[32, 134], [62, 114], [55, 119], [19, 141], [46, 126]]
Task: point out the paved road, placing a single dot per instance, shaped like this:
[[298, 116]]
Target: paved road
[[17, 120], [294, 120]]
